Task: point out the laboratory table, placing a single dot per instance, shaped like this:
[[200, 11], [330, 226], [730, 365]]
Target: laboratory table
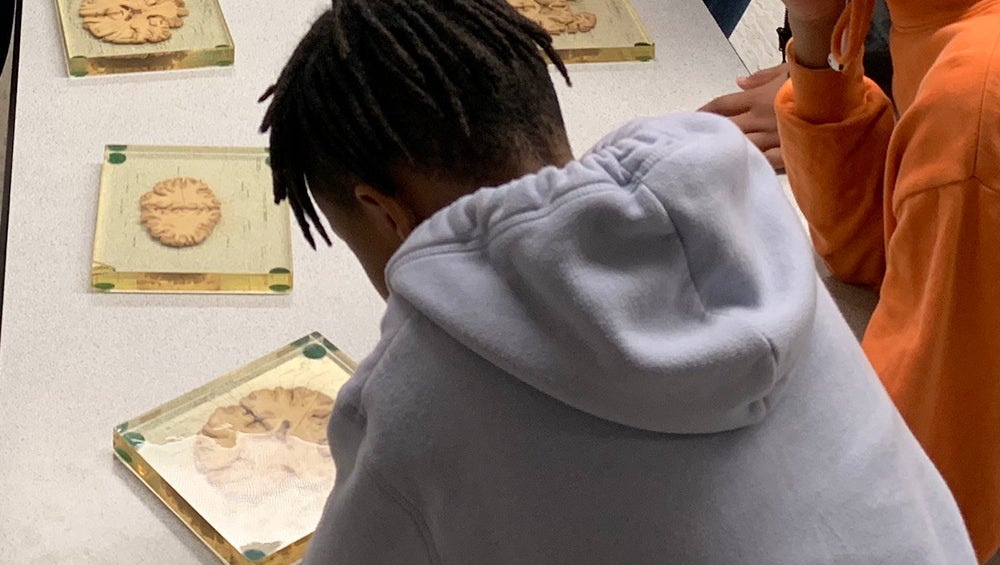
[[73, 363]]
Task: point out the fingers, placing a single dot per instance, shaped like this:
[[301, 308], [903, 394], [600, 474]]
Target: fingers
[[765, 140], [729, 105], [762, 77], [770, 144], [775, 158], [756, 122]]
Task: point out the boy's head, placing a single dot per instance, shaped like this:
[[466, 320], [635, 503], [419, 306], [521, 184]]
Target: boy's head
[[391, 109]]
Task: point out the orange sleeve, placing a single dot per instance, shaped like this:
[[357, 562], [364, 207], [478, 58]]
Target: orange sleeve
[[835, 129], [935, 340]]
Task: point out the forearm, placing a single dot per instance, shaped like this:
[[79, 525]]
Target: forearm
[[835, 128], [836, 177], [933, 341]]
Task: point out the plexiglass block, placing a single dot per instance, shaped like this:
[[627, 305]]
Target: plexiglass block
[[143, 35], [139, 242], [618, 34], [243, 461]]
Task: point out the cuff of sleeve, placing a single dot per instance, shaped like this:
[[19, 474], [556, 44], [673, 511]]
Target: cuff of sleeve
[[824, 95]]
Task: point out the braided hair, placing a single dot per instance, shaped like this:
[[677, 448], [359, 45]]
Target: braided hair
[[450, 87]]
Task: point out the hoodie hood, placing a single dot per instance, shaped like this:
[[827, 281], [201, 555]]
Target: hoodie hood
[[662, 281]]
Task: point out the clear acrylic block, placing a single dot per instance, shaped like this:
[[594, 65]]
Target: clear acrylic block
[[243, 461], [249, 249], [619, 34], [201, 40]]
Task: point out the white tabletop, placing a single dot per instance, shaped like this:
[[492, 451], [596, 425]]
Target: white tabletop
[[73, 363]]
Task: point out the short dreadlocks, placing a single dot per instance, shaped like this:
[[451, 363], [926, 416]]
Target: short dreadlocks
[[453, 87]]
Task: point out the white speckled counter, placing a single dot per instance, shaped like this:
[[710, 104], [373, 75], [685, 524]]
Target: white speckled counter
[[73, 364]]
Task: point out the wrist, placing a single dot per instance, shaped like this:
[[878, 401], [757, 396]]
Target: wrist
[[829, 11], [813, 37]]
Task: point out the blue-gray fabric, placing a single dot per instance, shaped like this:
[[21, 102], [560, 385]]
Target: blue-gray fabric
[[627, 360]]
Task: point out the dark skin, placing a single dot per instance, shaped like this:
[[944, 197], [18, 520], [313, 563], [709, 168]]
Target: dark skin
[[377, 224]]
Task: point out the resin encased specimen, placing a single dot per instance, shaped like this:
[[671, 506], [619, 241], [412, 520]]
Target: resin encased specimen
[[180, 212], [132, 21], [244, 460], [271, 436], [555, 16]]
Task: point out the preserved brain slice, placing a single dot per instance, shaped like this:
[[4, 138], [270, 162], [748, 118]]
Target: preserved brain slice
[[555, 16], [271, 436], [132, 21], [180, 212], [301, 412], [585, 21]]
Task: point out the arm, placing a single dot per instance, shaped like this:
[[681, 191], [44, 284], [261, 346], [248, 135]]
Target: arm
[[933, 339], [366, 521], [752, 108], [835, 129]]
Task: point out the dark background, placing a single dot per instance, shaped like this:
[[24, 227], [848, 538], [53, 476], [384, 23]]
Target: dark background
[[10, 20]]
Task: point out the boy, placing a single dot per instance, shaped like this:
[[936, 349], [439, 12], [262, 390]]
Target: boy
[[911, 207], [625, 358]]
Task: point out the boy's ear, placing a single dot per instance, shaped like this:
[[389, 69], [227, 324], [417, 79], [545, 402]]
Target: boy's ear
[[388, 213]]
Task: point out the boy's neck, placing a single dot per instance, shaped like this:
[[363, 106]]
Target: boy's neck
[[426, 194]]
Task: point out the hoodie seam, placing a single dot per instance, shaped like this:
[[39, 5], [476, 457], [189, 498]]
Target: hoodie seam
[[680, 238], [635, 179], [411, 510], [475, 241], [697, 291]]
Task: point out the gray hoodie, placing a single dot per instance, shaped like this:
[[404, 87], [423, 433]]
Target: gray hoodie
[[629, 360]]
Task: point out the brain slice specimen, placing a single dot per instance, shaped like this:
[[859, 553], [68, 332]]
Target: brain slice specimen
[[180, 212], [555, 16], [301, 412], [132, 21], [271, 436]]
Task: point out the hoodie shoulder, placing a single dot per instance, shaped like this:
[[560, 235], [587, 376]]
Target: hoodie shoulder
[[668, 256], [673, 137]]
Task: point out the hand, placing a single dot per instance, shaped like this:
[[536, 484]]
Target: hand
[[752, 110]]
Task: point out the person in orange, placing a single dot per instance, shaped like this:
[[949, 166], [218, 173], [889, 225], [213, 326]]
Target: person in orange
[[907, 200], [752, 106]]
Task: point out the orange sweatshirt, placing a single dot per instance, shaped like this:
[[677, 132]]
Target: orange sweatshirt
[[912, 207]]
